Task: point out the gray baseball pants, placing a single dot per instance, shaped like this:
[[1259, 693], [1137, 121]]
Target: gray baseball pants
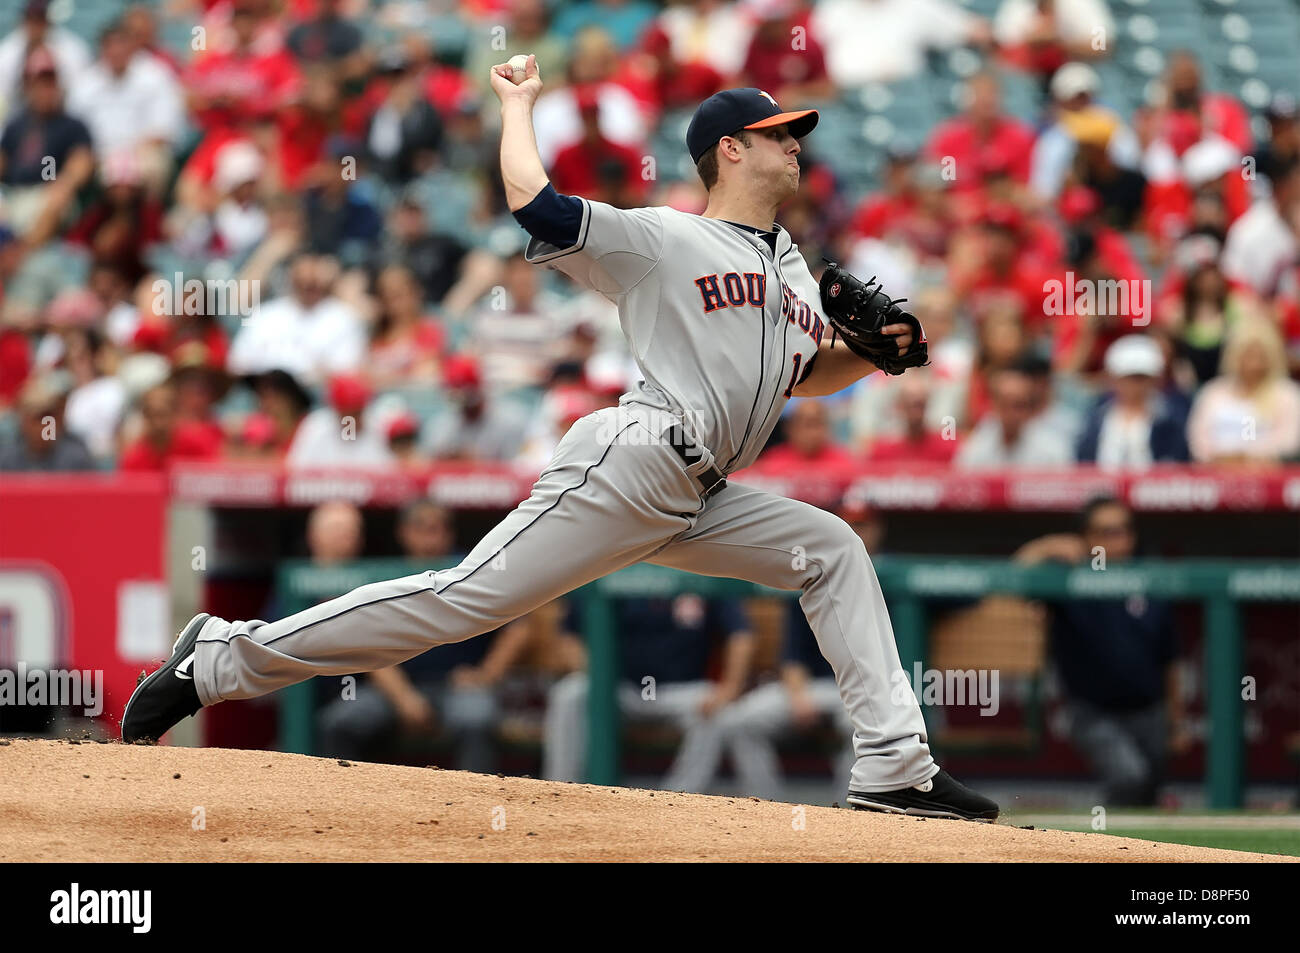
[[613, 495]]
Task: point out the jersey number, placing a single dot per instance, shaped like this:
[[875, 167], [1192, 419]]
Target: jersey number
[[797, 361]]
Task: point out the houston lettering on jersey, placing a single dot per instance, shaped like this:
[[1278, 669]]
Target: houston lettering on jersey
[[734, 290]]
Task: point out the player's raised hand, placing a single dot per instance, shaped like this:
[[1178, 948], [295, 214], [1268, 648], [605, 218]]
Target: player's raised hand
[[516, 80]]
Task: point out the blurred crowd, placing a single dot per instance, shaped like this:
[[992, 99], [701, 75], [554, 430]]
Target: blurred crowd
[[274, 230]]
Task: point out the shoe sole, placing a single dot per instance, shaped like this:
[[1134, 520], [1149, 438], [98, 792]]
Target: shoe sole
[[862, 803], [191, 630]]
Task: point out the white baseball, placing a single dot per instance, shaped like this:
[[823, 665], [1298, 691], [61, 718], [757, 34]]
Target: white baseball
[[518, 66]]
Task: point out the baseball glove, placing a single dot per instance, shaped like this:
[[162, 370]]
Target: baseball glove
[[858, 311]]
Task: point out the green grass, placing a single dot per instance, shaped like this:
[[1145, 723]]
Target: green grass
[[1257, 841]]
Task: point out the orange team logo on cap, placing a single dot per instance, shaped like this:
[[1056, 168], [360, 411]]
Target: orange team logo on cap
[[768, 96]]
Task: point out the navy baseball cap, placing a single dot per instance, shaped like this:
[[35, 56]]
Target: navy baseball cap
[[724, 113]]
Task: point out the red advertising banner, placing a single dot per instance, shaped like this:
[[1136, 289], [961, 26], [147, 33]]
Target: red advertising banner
[[501, 486], [82, 578]]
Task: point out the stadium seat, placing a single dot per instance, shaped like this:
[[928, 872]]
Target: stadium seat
[[450, 36], [1253, 92], [1166, 30], [983, 8], [424, 402], [1238, 60], [175, 36], [1118, 91], [1021, 96], [1151, 7]]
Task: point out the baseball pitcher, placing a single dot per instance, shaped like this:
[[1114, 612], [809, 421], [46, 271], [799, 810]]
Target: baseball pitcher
[[726, 324]]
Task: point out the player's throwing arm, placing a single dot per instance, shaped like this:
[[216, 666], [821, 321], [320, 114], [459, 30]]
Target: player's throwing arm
[[517, 84]]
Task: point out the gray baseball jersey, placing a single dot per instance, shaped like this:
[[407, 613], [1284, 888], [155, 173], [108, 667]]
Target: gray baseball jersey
[[722, 329]]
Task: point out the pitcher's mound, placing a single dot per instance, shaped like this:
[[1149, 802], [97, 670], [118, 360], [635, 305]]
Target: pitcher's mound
[[85, 801]]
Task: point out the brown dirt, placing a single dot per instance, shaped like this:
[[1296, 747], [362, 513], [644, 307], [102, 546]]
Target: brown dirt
[[98, 802]]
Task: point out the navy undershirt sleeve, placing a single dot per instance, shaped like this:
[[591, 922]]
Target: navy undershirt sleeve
[[552, 218]]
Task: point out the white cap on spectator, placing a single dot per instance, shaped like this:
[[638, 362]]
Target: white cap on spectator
[[237, 163], [1209, 159], [141, 371], [1135, 354], [1072, 79]]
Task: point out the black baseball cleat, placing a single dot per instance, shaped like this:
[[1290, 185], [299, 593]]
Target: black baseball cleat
[[168, 695], [941, 796]]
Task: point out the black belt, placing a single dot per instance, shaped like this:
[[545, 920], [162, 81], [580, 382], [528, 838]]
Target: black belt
[[712, 479]]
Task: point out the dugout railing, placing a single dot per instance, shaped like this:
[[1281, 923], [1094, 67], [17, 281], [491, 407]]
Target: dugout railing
[[910, 583]]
